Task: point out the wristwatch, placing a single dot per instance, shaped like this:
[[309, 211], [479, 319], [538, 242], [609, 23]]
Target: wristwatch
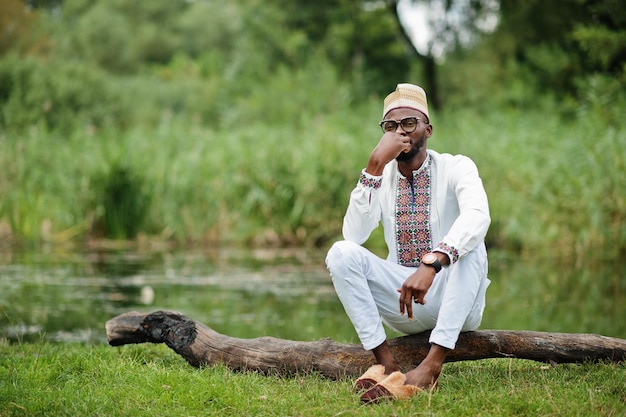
[[431, 259]]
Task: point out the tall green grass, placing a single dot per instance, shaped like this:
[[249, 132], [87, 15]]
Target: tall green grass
[[556, 184]]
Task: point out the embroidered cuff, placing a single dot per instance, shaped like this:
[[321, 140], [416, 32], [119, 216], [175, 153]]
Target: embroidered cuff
[[451, 251], [370, 181]]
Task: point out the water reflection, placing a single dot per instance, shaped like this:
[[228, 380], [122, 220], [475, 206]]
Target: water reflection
[[537, 294], [285, 294]]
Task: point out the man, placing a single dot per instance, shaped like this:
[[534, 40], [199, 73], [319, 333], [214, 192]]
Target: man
[[435, 216]]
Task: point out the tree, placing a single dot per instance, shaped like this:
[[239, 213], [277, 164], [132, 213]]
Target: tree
[[451, 24], [360, 37], [553, 46], [559, 44]]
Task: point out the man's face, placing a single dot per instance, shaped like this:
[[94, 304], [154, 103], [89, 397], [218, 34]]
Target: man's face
[[418, 137]]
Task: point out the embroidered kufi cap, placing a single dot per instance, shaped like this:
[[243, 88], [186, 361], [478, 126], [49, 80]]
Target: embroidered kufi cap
[[406, 95]]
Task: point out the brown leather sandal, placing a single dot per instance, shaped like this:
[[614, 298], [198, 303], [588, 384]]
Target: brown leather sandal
[[370, 378], [390, 388]]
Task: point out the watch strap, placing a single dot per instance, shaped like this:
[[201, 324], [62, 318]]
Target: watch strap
[[435, 264]]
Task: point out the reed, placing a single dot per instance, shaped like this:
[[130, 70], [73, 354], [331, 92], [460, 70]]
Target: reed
[[555, 184]]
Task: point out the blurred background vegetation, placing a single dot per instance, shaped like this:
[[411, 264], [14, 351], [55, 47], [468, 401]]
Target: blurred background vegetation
[[247, 122]]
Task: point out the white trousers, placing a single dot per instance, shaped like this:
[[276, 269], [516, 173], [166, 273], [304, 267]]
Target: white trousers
[[367, 287]]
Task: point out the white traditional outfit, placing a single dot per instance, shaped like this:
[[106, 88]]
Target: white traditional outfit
[[444, 209]]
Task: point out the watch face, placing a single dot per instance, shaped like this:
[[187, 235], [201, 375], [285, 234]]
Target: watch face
[[429, 258]]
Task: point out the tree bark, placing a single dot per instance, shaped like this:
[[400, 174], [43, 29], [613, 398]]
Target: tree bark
[[199, 345], [430, 65]]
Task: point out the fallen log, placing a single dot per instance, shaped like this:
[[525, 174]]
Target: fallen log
[[200, 345]]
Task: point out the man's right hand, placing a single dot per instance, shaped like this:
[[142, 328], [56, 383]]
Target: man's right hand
[[389, 147], [414, 289]]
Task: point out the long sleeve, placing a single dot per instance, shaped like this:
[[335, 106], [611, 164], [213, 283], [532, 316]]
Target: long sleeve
[[469, 225], [364, 213]]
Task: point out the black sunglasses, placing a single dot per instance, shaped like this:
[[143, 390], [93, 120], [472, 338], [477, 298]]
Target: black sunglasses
[[408, 124]]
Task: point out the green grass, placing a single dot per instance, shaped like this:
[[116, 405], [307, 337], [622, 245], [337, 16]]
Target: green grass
[[43, 379]]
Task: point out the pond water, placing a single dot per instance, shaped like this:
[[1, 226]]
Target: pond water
[[282, 293]]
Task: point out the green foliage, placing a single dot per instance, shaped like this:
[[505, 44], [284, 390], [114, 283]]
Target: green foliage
[[249, 121], [60, 96], [555, 184], [145, 32], [18, 27], [361, 39], [604, 47], [24, 213], [601, 101], [124, 201], [555, 44]]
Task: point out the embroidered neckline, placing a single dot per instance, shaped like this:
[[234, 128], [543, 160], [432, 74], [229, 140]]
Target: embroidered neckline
[[413, 233]]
